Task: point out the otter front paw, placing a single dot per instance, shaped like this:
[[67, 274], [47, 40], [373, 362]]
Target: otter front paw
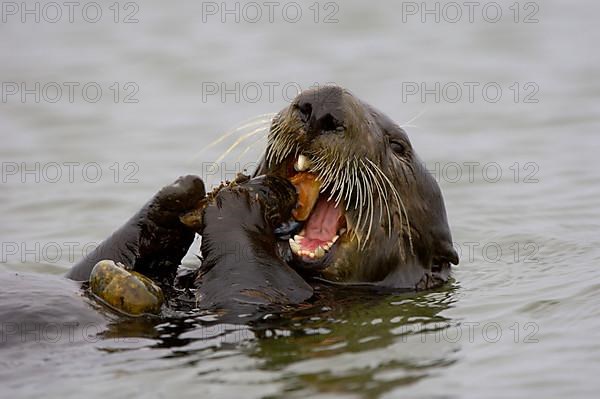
[[167, 225], [179, 202], [157, 237]]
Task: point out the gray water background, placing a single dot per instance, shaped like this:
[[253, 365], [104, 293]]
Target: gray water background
[[544, 283]]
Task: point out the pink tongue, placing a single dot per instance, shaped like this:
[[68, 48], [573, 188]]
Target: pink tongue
[[323, 222]]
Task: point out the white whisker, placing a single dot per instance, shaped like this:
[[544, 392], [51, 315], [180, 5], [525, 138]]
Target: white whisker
[[420, 114], [258, 140], [238, 142], [248, 123], [399, 202]]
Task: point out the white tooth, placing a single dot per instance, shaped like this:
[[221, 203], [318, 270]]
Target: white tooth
[[311, 255], [298, 238], [295, 247], [327, 246], [334, 239], [319, 252], [302, 163]]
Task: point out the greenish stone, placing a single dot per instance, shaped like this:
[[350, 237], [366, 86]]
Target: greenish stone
[[126, 291]]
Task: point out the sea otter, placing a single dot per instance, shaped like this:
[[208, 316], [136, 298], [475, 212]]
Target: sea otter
[[366, 212], [372, 212]]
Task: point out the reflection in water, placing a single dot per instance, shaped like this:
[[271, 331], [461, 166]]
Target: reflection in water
[[371, 335], [384, 340]]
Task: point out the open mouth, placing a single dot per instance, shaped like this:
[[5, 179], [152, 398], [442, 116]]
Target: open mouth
[[323, 221]]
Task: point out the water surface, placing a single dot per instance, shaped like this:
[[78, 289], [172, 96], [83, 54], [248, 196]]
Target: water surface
[[521, 317]]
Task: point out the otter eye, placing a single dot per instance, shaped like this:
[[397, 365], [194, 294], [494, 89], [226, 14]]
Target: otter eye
[[398, 147]]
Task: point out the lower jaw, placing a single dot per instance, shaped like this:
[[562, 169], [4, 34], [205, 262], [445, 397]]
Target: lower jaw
[[315, 254], [314, 265]]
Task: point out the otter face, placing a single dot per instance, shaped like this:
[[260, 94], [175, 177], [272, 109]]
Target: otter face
[[371, 211]]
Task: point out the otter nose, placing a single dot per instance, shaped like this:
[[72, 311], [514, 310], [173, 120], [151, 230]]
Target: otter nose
[[322, 110]]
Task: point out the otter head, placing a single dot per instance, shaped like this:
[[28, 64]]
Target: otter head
[[371, 212]]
